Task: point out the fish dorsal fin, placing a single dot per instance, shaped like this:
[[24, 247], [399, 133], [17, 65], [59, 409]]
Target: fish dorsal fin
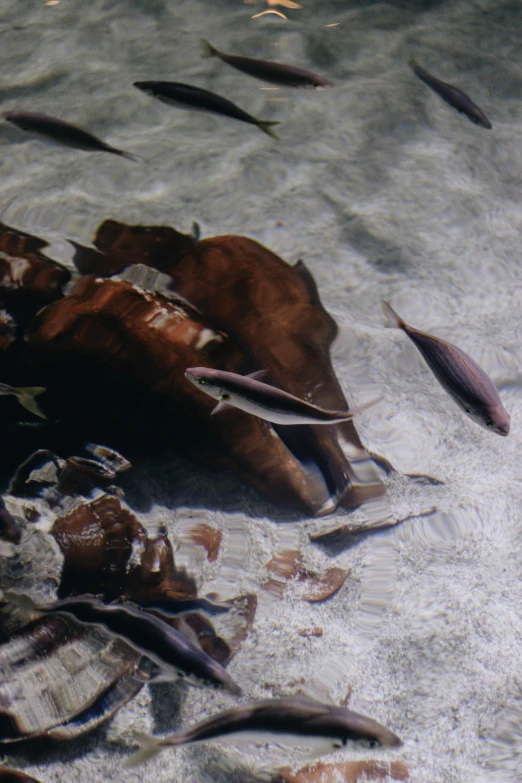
[[221, 406]]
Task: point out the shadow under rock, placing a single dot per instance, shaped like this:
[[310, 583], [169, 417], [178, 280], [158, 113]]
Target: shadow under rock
[[176, 482], [43, 750]]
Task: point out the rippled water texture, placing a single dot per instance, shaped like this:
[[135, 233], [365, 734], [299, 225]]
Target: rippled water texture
[[385, 192]]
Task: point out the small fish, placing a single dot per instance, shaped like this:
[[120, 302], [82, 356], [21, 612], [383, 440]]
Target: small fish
[[61, 132], [452, 95], [459, 375], [186, 96], [25, 396], [149, 635], [275, 73], [292, 719], [262, 400]]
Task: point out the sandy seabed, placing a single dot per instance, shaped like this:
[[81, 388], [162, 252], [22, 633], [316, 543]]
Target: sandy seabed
[[384, 192]]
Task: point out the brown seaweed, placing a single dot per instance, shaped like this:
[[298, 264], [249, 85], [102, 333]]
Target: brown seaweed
[[270, 308], [113, 325], [107, 552], [316, 631], [209, 538], [14, 776], [26, 274], [97, 539], [346, 771], [323, 586], [288, 565]]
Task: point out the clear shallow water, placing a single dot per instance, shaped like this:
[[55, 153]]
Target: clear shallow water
[[385, 192]]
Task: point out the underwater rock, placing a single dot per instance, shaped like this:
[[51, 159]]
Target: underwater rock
[[271, 309], [26, 275], [111, 325], [34, 565], [55, 672]]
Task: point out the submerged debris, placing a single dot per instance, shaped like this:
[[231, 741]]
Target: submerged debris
[[54, 671], [282, 327], [345, 771]]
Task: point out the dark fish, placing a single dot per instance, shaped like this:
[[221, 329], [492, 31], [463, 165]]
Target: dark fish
[[262, 400], [186, 96], [61, 132], [175, 655], [452, 95], [462, 378], [291, 719], [25, 396], [275, 73]]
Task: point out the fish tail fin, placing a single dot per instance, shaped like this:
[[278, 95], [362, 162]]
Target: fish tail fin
[[364, 407], [26, 397], [393, 321], [233, 688], [207, 50], [130, 156], [149, 748], [266, 127]]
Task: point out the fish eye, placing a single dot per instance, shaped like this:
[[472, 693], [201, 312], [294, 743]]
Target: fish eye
[[488, 422], [225, 396], [202, 381]]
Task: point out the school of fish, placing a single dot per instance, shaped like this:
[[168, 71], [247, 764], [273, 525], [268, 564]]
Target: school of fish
[[145, 628]]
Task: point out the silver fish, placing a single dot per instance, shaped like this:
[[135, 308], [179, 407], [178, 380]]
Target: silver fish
[[61, 132], [186, 96], [459, 375], [291, 719], [25, 396], [149, 635], [275, 73], [260, 399]]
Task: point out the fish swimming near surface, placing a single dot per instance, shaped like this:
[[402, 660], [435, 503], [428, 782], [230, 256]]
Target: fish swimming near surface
[[61, 132], [275, 73], [289, 720], [452, 95], [151, 636], [25, 396], [186, 96], [459, 375], [260, 399]]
